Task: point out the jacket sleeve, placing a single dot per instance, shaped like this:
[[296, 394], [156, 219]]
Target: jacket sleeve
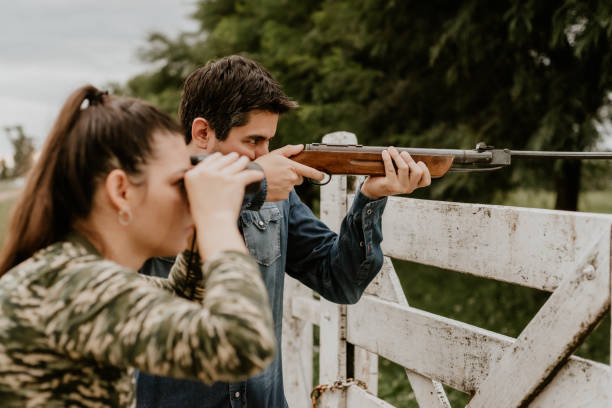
[[185, 277], [339, 267], [110, 315]]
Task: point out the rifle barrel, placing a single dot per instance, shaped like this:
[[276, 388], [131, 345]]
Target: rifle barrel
[[562, 155]]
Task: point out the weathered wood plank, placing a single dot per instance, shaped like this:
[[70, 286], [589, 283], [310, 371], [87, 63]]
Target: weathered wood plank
[[429, 393], [528, 247], [297, 346], [366, 369], [333, 195], [386, 285], [446, 350], [358, 397], [332, 399], [558, 328], [455, 353], [568, 389], [332, 334], [306, 308]]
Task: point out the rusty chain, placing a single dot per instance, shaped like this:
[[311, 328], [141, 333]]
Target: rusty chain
[[336, 385]]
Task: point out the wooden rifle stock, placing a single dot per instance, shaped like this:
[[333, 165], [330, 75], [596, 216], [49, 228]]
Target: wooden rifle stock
[[365, 163], [367, 160], [370, 164]]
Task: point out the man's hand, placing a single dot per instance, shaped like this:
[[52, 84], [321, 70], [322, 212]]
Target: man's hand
[[408, 177], [282, 173]]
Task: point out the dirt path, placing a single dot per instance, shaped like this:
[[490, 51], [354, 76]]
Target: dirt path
[[8, 194]]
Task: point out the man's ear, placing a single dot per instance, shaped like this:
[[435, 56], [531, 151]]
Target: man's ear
[[116, 186], [202, 135]]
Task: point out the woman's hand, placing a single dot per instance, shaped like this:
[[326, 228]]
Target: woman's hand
[[215, 189]]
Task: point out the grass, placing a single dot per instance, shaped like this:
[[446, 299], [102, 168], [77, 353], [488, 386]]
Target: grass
[[5, 208], [590, 201]]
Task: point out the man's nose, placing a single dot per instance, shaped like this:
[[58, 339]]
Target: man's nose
[[260, 151]]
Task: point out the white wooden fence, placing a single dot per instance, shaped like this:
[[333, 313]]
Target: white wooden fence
[[565, 253]]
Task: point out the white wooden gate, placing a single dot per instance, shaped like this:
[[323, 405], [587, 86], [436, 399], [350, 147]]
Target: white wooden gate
[[565, 253]]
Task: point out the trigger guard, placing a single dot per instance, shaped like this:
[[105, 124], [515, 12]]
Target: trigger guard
[[320, 183]]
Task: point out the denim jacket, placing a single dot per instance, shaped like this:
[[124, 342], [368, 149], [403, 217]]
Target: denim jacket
[[283, 237]]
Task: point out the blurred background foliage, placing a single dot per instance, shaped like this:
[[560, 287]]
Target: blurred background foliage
[[518, 74]]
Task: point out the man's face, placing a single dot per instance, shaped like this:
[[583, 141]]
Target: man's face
[[251, 140]]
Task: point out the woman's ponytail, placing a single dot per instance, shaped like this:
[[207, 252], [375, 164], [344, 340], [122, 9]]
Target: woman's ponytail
[[93, 133]]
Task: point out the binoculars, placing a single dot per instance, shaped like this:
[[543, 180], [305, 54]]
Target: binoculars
[[251, 189]]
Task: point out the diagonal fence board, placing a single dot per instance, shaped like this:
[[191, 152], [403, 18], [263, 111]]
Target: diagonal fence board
[[358, 397], [457, 354], [557, 329], [568, 389], [386, 285], [452, 352], [528, 247]]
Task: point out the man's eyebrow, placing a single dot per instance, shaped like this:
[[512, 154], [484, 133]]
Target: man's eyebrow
[[258, 137]]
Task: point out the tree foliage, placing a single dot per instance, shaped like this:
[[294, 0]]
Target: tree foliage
[[518, 74], [23, 153]]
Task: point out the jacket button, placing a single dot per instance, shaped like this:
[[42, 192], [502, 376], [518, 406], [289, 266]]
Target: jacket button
[[369, 212], [237, 394], [261, 223], [361, 244]]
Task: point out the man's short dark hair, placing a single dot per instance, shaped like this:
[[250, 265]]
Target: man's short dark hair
[[224, 92]]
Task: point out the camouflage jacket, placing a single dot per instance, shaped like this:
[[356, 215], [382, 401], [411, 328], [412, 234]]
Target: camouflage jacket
[[73, 326]]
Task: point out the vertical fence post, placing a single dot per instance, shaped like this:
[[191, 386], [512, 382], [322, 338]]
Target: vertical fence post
[[297, 345], [365, 362], [332, 338]]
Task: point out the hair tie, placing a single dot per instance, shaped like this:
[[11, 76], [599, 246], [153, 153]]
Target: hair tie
[[95, 97]]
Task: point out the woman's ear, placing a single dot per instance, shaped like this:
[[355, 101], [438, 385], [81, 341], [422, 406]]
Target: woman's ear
[[202, 135], [116, 186]]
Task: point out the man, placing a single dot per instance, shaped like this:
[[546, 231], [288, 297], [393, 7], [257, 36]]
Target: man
[[233, 105]]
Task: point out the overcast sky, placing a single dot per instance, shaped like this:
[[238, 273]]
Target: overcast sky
[[48, 48]]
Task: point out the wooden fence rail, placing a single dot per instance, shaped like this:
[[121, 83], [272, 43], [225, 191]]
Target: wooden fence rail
[[565, 253]]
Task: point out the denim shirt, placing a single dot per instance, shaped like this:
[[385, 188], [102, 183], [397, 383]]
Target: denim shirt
[[283, 236]]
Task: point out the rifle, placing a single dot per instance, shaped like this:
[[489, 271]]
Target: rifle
[[356, 159]]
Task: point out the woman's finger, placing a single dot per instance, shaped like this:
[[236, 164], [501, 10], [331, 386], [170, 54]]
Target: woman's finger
[[218, 161], [236, 166], [247, 177]]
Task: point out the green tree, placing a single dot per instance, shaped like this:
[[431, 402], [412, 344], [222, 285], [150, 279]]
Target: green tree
[[519, 74], [23, 150]]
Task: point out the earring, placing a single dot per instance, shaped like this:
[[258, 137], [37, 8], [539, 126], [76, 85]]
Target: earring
[[125, 216]]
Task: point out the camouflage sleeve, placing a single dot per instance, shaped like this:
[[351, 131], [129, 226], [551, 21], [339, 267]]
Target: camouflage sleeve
[[184, 281], [108, 315]]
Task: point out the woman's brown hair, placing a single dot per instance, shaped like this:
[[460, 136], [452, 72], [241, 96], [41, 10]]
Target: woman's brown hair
[[94, 133]]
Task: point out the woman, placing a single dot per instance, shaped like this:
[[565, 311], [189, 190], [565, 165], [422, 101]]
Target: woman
[[113, 187]]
